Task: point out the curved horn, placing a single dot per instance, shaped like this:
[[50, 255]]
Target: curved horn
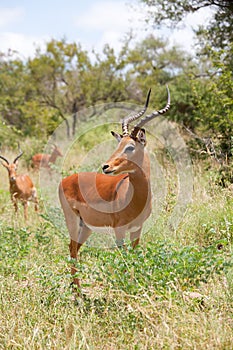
[[20, 154], [151, 116], [129, 119], [4, 159]]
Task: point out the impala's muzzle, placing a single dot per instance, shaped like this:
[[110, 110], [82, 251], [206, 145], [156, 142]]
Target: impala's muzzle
[[106, 169]]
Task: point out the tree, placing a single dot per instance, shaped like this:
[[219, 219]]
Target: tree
[[218, 31], [173, 12], [12, 88], [208, 86], [18, 105], [58, 75], [213, 98]]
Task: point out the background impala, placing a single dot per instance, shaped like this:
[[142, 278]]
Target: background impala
[[21, 186], [45, 160]]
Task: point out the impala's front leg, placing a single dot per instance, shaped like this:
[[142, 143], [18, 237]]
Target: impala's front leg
[[14, 201]]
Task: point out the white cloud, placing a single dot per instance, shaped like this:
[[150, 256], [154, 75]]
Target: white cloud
[[113, 38], [10, 15], [23, 44], [109, 21], [202, 16], [184, 36], [97, 23], [104, 16]]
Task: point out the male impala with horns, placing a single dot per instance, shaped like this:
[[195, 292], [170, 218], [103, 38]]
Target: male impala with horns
[[119, 199]]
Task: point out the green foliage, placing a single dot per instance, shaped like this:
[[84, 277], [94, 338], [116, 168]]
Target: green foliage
[[161, 267], [8, 135], [91, 138], [214, 103], [218, 32], [36, 95]]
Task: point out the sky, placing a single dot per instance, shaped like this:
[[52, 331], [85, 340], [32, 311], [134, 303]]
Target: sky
[[27, 24]]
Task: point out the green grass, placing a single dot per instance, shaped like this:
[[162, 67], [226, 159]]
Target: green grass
[[175, 291]]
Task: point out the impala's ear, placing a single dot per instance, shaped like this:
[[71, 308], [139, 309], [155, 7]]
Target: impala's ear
[[141, 136], [4, 164], [116, 135]]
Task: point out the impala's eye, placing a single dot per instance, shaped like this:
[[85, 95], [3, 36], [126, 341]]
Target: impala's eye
[[129, 149]]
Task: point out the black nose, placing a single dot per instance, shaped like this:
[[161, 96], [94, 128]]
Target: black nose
[[105, 167]]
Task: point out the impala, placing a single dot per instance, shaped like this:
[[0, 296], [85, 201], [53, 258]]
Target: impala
[[44, 160], [21, 186], [102, 202]]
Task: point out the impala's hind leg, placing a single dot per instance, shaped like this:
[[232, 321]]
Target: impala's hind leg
[[135, 237], [84, 233], [78, 231], [74, 248], [72, 222], [35, 199], [75, 244], [120, 238], [25, 208]]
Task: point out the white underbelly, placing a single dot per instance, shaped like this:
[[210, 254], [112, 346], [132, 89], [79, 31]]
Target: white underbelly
[[110, 230], [104, 229]]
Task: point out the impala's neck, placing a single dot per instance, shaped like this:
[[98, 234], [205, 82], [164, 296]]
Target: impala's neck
[[53, 157], [140, 179], [141, 167]]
